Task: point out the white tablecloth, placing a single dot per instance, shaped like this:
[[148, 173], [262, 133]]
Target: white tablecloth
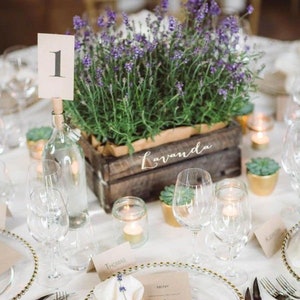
[[165, 243]]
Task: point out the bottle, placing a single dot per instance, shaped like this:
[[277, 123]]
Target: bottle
[[63, 147]]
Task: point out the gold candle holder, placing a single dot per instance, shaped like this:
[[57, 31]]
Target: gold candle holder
[[130, 221]]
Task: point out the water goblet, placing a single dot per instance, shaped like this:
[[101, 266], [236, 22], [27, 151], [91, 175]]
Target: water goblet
[[231, 225], [290, 160], [6, 186], [48, 223], [20, 79], [192, 205]]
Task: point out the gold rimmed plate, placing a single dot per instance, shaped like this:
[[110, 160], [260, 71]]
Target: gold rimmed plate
[[24, 271], [203, 282], [290, 251]]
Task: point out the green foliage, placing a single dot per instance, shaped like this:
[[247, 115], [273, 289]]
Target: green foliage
[[39, 133], [262, 166], [166, 195]]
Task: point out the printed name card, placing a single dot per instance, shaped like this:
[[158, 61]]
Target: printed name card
[[113, 260], [270, 235], [56, 66], [166, 286]]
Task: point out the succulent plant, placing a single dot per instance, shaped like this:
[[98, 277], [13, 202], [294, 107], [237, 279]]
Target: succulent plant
[[262, 166], [166, 195], [39, 133]]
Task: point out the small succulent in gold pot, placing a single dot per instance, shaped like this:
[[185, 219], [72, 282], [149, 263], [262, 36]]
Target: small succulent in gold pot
[[166, 198], [36, 138], [262, 175]]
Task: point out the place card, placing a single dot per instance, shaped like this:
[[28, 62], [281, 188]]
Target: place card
[[112, 260], [270, 235], [166, 286], [9, 257], [56, 66]]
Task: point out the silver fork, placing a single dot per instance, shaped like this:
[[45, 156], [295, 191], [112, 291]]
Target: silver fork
[[287, 286], [61, 295], [273, 291]]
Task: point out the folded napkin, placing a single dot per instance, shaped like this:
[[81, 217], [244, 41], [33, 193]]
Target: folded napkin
[[293, 250], [119, 288]]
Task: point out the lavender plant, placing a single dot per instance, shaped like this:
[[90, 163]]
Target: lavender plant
[[133, 81]]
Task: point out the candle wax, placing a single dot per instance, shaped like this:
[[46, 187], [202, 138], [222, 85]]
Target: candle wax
[[229, 211], [260, 140], [133, 232]]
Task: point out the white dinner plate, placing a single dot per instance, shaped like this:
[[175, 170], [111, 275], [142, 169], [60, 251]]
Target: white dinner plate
[[24, 271], [205, 284], [290, 251]]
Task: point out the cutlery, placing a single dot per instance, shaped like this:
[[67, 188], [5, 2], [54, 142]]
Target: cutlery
[[59, 295], [256, 292], [273, 291], [287, 286], [247, 294]]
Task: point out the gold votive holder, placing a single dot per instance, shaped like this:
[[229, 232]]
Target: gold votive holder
[[130, 221]]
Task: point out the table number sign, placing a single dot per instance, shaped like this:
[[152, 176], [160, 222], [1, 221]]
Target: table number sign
[[56, 66]]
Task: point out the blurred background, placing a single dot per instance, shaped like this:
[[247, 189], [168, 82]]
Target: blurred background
[[21, 20]]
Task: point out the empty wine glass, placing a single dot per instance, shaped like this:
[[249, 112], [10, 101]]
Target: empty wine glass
[[20, 83], [290, 160], [231, 225], [193, 204], [7, 191], [48, 223]]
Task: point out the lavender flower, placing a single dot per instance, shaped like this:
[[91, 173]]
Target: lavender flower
[[129, 81]]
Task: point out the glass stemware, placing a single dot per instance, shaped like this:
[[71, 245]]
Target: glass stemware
[[7, 191], [290, 160], [48, 223], [231, 225], [20, 83], [192, 204]]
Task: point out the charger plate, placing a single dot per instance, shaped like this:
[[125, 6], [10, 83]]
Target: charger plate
[[25, 270], [288, 251], [204, 282]]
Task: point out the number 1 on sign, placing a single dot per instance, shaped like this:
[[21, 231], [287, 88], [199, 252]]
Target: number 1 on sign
[[56, 66]]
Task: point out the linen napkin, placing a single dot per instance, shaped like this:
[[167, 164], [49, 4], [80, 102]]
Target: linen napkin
[[119, 288], [293, 250], [9, 256]]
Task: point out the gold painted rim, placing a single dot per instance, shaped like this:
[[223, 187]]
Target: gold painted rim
[[180, 265], [16, 237], [284, 246]]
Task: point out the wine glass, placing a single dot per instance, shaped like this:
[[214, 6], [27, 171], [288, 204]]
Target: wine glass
[[290, 160], [48, 223], [7, 191], [231, 225], [20, 77], [192, 204]]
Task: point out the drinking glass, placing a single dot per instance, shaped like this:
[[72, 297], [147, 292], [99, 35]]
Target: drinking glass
[[46, 172], [231, 225], [6, 186], [193, 204], [20, 77], [290, 160], [48, 223]]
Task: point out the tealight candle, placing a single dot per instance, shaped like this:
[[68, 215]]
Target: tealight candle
[[133, 232], [260, 140], [229, 211], [130, 220]]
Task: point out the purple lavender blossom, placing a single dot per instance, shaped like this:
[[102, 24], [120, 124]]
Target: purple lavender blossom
[[87, 61], [250, 9], [100, 21], [172, 23], [78, 23]]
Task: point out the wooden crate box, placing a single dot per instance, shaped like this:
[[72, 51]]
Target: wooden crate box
[[144, 174]]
